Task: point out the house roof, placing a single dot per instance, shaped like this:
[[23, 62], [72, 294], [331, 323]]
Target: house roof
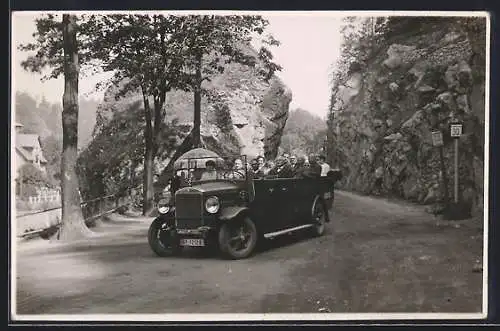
[[24, 140]]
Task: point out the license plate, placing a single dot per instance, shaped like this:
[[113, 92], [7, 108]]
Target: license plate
[[192, 242], [328, 195]]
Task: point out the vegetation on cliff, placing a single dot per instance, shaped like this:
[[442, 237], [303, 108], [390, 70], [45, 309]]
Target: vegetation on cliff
[[398, 80], [304, 133]]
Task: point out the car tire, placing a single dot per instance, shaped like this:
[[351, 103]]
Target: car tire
[[319, 215], [228, 238], [163, 239]]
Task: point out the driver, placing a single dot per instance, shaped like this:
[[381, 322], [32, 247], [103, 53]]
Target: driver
[[238, 171], [210, 173]]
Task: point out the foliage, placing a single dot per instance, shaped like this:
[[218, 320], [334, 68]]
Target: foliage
[[47, 48], [304, 133], [32, 179], [221, 37], [52, 149], [110, 162]]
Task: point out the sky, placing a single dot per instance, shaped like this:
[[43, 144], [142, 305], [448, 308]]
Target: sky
[[310, 44]]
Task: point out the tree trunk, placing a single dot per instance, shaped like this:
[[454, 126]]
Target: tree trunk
[[147, 179], [73, 225], [197, 103]]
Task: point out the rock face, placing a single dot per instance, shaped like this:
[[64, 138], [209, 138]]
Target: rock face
[[247, 115], [413, 88]]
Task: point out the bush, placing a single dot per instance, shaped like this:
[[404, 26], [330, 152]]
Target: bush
[[32, 179]]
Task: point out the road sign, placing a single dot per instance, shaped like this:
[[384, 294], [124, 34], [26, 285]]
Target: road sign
[[456, 130], [437, 138]]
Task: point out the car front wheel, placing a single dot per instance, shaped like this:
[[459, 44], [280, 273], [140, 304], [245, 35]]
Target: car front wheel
[[163, 239], [238, 238]]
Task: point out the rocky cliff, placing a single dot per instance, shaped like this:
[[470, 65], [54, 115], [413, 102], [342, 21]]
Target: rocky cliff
[[245, 114], [422, 78]]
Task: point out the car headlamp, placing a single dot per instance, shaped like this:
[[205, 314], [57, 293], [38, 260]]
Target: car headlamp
[[212, 205], [163, 206]]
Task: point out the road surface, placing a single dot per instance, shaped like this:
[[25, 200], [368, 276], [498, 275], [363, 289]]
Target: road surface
[[377, 256]]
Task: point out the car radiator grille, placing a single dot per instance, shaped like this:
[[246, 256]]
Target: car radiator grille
[[189, 211]]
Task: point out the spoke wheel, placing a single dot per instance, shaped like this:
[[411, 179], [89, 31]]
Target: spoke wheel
[[163, 239], [319, 218], [238, 238]]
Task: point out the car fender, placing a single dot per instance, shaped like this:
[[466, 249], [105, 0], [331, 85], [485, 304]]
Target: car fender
[[319, 199], [169, 217], [232, 212]]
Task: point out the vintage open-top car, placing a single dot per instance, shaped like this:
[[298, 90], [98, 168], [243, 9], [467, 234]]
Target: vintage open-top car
[[230, 210]]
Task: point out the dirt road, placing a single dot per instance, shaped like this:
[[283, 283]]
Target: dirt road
[[377, 256]]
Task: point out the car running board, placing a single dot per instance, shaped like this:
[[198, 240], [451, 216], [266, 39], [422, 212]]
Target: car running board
[[277, 233]]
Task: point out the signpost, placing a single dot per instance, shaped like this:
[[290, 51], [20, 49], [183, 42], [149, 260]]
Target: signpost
[[456, 132], [437, 138]]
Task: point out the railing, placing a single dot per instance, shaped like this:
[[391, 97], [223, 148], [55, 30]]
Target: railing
[[91, 210]]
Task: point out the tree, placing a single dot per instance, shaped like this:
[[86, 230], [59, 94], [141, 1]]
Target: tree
[[143, 55], [57, 48], [156, 54], [211, 41]]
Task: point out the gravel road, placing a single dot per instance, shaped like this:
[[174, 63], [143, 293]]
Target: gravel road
[[377, 256]]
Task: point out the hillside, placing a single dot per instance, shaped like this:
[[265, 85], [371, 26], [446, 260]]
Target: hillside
[[45, 119], [304, 133]]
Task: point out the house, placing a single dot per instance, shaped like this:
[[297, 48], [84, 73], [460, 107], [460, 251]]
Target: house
[[28, 149]]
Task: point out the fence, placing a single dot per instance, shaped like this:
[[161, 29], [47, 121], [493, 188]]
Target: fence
[[34, 223], [44, 198]]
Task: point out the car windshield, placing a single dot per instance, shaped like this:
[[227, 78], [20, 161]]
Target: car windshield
[[204, 169]]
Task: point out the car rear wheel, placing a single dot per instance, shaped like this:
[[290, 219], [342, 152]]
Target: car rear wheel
[[163, 239], [238, 238], [319, 218]]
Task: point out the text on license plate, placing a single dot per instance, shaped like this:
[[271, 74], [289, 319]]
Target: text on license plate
[[192, 242], [328, 195]]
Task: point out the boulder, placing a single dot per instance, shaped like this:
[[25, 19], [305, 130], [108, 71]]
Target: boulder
[[398, 54], [394, 136], [446, 98], [426, 89], [393, 86], [464, 74], [463, 103], [451, 76], [415, 120]]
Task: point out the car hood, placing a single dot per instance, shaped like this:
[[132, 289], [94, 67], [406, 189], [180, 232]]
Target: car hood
[[210, 187]]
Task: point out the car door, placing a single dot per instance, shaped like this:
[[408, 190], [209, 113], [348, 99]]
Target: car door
[[271, 204], [304, 195]]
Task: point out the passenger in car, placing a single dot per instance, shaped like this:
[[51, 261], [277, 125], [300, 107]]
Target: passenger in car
[[261, 161], [314, 169], [325, 167], [257, 171], [268, 166], [282, 169], [300, 167], [238, 171], [293, 162], [210, 173]]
